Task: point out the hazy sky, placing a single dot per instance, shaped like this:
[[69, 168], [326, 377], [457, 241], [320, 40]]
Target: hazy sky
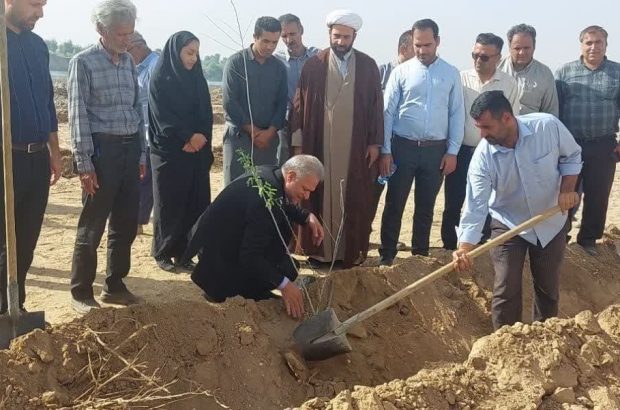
[[557, 23]]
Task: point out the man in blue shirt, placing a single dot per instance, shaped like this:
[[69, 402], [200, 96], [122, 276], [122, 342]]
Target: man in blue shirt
[[424, 121], [145, 60], [522, 167], [36, 156], [294, 57]]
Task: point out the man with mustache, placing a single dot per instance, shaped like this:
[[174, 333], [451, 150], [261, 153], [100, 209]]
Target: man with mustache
[[522, 166], [338, 118], [589, 96], [294, 56]]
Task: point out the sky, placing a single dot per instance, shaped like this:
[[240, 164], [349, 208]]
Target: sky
[[557, 22]]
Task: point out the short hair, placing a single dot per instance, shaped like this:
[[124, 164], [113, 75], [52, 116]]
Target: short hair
[[136, 38], [593, 29], [426, 24], [405, 39], [522, 29], [268, 24], [493, 101], [490, 39], [304, 165], [109, 13], [288, 19]]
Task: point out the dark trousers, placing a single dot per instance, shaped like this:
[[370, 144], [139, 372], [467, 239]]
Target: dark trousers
[[236, 139], [455, 188], [284, 146], [116, 162], [508, 260], [597, 177], [421, 164], [31, 182], [146, 193], [182, 192]]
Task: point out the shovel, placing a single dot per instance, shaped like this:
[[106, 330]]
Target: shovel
[[324, 336], [16, 323]]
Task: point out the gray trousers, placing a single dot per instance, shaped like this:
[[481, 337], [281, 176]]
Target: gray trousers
[[236, 139], [508, 260]]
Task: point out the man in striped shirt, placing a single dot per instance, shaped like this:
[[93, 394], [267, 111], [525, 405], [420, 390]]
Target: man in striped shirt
[[107, 137], [589, 96]]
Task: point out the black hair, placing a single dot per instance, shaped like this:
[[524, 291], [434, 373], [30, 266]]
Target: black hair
[[493, 101]]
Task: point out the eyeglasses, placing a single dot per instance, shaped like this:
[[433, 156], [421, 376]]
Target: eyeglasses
[[483, 57]]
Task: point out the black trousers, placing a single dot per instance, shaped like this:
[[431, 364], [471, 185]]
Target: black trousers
[[597, 178], [455, 188], [146, 193], [116, 162], [31, 182], [508, 260], [421, 164], [181, 192]]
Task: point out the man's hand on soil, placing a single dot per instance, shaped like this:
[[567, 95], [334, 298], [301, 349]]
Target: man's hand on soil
[[317, 229], [293, 300]]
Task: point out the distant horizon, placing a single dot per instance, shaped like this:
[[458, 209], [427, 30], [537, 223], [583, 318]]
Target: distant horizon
[[558, 24]]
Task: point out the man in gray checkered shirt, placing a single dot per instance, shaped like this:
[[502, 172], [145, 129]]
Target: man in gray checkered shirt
[[589, 96], [108, 148]]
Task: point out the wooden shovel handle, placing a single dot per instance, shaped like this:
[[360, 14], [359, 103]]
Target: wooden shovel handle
[[389, 301], [7, 156]]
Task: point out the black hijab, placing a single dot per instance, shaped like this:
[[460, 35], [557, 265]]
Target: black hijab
[[179, 100]]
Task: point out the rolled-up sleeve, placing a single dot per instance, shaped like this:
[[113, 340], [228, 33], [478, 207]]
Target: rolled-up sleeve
[[81, 136], [479, 187], [570, 152]]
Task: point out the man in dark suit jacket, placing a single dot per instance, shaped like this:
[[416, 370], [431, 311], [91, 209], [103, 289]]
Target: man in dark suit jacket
[[240, 250]]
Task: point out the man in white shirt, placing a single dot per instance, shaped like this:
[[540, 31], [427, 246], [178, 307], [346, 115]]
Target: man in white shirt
[[483, 77], [535, 80]]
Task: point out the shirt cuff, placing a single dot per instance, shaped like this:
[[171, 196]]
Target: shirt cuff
[[85, 166], [469, 236], [570, 169], [284, 282]]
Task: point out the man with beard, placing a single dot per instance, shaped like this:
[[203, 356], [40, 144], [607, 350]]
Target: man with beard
[[294, 57], [338, 118], [36, 156], [424, 123], [254, 120], [523, 166]]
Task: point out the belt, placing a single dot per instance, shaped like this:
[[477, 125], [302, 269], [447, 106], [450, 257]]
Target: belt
[[121, 139], [29, 148], [422, 143]]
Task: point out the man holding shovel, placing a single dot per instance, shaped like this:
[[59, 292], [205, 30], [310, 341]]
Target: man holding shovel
[[523, 166], [36, 156]]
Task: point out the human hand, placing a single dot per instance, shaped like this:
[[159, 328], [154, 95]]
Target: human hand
[[89, 183], [317, 229], [567, 200], [448, 164], [462, 262], [385, 165], [55, 167], [372, 154], [293, 300]]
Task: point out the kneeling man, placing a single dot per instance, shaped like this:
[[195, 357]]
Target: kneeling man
[[240, 250], [523, 166]]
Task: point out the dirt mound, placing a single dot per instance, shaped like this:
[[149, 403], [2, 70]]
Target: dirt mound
[[60, 101], [238, 353], [563, 363]]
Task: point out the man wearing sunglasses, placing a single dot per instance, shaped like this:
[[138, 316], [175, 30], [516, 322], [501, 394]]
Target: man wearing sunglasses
[[483, 77]]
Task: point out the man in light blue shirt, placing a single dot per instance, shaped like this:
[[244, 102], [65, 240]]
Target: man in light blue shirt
[[294, 57], [522, 167], [424, 119], [145, 60]]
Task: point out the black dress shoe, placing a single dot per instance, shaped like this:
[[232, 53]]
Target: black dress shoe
[[166, 264], [386, 261], [187, 266]]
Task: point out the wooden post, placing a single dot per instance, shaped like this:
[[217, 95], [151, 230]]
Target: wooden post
[[7, 155]]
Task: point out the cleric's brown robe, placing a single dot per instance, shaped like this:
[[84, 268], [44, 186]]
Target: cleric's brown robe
[[308, 117]]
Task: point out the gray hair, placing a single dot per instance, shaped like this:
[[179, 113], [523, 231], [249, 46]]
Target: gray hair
[[303, 165], [109, 13]]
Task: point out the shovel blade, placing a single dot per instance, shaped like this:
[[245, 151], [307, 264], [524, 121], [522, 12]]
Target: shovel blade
[[26, 322], [317, 339]]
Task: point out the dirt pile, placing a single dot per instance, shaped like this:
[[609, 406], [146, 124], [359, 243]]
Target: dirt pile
[[563, 363], [238, 354]]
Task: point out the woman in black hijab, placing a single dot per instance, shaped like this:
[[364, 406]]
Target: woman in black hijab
[[180, 128]]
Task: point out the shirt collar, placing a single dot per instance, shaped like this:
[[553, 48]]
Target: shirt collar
[[600, 67], [99, 46], [289, 56], [346, 57], [524, 131]]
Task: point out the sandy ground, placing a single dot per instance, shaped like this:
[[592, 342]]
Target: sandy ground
[[48, 279]]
